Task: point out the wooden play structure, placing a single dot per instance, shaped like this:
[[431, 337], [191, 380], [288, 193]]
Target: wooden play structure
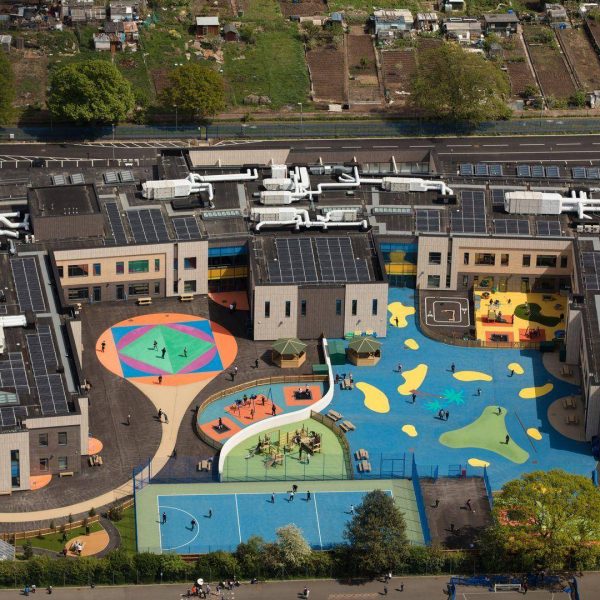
[[273, 447]]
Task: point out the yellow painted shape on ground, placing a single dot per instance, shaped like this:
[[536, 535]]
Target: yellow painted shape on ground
[[375, 399], [517, 368], [410, 430], [411, 344], [534, 433], [472, 376], [401, 312], [536, 392], [477, 462], [413, 379]]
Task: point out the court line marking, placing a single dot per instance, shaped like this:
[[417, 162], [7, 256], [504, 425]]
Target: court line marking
[[318, 523], [456, 300], [276, 493], [190, 515], [237, 514]]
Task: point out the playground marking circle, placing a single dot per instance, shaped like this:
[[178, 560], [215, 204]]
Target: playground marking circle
[[455, 312], [191, 517]]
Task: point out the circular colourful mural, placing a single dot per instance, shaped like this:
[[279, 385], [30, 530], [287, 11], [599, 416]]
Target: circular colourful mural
[[177, 348]]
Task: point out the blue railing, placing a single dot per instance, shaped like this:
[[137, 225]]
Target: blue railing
[[420, 502], [488, 487]]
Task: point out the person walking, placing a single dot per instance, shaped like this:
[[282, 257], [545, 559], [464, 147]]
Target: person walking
[[163, 352], [294, 488], [160, 414], [193, 524], [210, 513], [441, 414], [385, 590], [399, 368], [155, 345], [185, 351], [447, 415], [273, 410], [308, 496], [468, 504], [352, 509], [306, 592], [159, 379], [291, 498], [512, 372], [128, 420], [252, 414], [103, 345], [414, 397], [499, 411], [164, 518], [453, 368], [507, 439], [397, 321], [273, 498], [437, 503], [479, 391], [256, 363]]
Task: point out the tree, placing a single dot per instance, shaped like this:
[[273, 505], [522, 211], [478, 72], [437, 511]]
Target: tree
[[93, 91], [292, 548], [450, 83], [7, 89], [545, 519], [377, 535], [195, 89]]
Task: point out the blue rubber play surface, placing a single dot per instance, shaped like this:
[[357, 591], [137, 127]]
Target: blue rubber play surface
[[237, 517], [416, 427]]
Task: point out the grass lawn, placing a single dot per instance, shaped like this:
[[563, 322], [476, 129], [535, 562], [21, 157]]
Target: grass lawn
[[54, 541], [367, 5], [126, 527], [274, 66], [262, 10]]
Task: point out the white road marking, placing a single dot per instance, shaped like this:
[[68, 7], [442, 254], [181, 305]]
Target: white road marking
[[351, 147], [570, 144], [385, 146], [532, 144], [460, 146], [495, 145], [317, 147], [421, 146]]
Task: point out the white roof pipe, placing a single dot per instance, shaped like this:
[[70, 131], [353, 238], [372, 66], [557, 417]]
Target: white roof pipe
[[9, 233], [248, 176], [341, 185], [13, 321], [4, 220]]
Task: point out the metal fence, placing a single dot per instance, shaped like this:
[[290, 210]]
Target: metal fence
[[420, 502], [488, 487]]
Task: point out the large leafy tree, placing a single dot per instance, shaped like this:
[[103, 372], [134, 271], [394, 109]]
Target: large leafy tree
[[93, 91], [377, 535], [195, 89], [7, 89], [450, 83], [545, 519]]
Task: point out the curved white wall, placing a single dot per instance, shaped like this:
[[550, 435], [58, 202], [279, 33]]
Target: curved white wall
[[279, 420]]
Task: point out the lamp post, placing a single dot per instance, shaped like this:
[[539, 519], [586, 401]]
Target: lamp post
[[301, 119], [176, 123]]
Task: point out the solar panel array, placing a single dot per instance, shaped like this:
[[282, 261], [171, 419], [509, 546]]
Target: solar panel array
[[27, 283], [148, 225], [481, 170], [126, 177], [470, 218], [553, 172], [111, 177], [428, 220], [548, 227], [295, 262], [538, 171], [585, 173], [523, 171], [466, 169], [591, 270], [496, 170], [578, 173], [186, 228], [338, 262], [77, 178], [11, 415], [511, 226], [116, 223], [13, 374], [498, 197], [58, 180], [51, 391]]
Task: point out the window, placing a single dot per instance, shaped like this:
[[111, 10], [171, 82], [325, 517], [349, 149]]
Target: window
[[526, 260], [485, 259], [78, 293], [288, 308], [544, 260], [97, 269], [466, 258], [139, 266], [120, 292], [189, 286], [61, 271], [435, 258], [448, 280], [15, 468], [563, 262], [120, 268], [303, 308], [138, 289], [189, 263], [44, 464], [354, 307], [175, 287], [504, 260], [156, 265], [43, 438], [338, 307], [97, 293], [374, 306], [63, 463], [175, 264], [433, 281], [157, 287], [267, 309], [465, 281], [62, 438], [78, 270]]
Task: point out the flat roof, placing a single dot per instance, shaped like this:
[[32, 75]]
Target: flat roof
[[63, 200], [207, 20], [238, 157]]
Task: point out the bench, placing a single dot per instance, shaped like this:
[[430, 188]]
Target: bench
[[569, 402], [361, 454], [347, 426], [566, 371], [95, 461], [186, 297], [334, 415], [144, 301], [364, 466], [66, 474], [572, 420], [204, 465], [508, 587]]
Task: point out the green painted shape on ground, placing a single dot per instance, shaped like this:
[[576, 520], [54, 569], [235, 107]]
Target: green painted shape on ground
[[487, 432], [535, 315], [329, 463], [171, 339]]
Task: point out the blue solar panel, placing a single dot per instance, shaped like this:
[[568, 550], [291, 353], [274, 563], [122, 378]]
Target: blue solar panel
[[496, 170], [593, 173], [523, 171], [578, 172], [466, 169], [537, 171], [481, 169], [553, 171]]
